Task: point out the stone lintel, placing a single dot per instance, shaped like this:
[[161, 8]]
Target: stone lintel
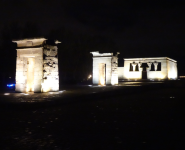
[[29, 42], [97, 54]]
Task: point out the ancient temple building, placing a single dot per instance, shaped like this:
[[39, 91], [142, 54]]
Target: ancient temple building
[[105, 68], [36, 66], [149, 68]]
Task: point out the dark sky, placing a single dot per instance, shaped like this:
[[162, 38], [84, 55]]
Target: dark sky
[[138, 29]]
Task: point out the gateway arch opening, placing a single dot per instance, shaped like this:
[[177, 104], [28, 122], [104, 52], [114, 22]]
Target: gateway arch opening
[[102, 74], [30, 75]]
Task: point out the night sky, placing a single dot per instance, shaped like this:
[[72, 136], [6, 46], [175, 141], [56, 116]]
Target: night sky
[[135, 29]]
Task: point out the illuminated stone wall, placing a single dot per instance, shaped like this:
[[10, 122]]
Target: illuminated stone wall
[[155, 68], [172, 69], [120, 73], [110, 62], [50, 78], [36, 66], [168, 68], [127, 73]]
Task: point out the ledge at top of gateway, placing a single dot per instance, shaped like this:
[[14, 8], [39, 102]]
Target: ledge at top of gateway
[[32, 42], [97, 54], [29, 39]]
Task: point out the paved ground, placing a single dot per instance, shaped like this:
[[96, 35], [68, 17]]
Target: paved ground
[[139, 116]]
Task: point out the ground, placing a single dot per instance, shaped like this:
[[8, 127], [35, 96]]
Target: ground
[[131, 116]]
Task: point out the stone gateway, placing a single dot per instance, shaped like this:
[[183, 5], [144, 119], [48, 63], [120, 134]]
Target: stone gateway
[[105, 68], [36, 66]]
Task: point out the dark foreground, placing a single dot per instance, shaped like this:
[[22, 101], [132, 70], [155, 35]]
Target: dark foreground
[[89, 118]]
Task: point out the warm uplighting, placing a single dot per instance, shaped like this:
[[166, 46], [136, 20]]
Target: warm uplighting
[[133, 75], [50, 85], [161, 76], [30, 75], [6, 93], [114, 80], [102, 81], [46, 86], [102, 74], [172, 75], [158, 68], [90, 76], [155, 75], [35, 65]]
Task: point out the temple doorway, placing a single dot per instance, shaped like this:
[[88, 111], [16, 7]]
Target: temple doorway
[[30, 75], [144, 72], [102, 74]]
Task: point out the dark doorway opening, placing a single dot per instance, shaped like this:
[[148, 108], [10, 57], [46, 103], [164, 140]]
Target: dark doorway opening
[[144, 72]]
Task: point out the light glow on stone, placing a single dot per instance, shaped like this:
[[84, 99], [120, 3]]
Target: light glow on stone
[[133, 75], [156, 75], [166, 70], [102, 81], [49, 85], [102, 74], [89, 76], [114, 80], [6, 93], [30, 75], [35, 73], [105, 68], [172, 75], [160, 76]]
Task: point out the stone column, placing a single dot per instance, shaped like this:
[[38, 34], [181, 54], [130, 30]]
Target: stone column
[[139, 66], [114, 77], [149, 66], [155, 65], [134, 66], [141, 69]]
